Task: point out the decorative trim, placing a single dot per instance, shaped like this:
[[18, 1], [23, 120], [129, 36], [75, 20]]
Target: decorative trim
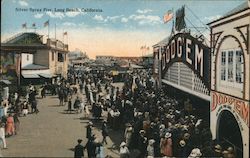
[[215, 41], [246, 36]]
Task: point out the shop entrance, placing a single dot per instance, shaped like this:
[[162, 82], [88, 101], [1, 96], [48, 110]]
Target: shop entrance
[[229, 133]]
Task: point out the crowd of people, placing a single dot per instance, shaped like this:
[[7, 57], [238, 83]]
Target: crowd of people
[[11, 108], [154, 124]]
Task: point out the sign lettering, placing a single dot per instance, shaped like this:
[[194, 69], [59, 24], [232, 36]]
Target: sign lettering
[[241, 107], [184, 48]]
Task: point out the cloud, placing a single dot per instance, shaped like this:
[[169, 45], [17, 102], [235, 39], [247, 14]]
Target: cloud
[[55, 15], [107, 19], [113, 18], [68, 24], [143, 11], [23, 3], [124, 20], [98, 18], [212, 18], [146, 19], [38, 16]]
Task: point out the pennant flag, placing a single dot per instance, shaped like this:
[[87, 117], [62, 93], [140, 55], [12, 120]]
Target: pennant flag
[[141, 47], [65, 33], [168, 16], [46, 23], [180, 21], [33, 25], [147, 48], [24, 25]]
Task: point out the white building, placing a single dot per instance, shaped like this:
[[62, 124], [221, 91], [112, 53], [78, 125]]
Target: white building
[[230, 79]]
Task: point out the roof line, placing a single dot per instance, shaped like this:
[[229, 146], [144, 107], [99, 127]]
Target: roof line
[[227, 16]]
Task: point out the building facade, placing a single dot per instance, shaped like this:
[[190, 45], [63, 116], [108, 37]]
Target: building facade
[[35, 59], [230, 79]]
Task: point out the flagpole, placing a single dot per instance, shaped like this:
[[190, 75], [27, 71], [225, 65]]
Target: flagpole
[[63, 36], [67, 39], [55, 31], [48, 30]]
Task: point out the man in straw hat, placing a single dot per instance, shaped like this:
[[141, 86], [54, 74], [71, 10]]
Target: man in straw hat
[[182, 152], [195, 153], [124, 152], [150, 148], [142, 143]]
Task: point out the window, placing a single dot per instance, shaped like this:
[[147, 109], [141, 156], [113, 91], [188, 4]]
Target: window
[[238, 66], [27, 58], [231, 66], [53, 56], [60, 57], [230, 74], [223, 66]]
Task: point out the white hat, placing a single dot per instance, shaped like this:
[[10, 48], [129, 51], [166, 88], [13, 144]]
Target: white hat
[[182, 143], [162, 126], [142, 132], [90, 123], [168, 135], [195, 153], [123, 144], [130, 129], [151, 141]]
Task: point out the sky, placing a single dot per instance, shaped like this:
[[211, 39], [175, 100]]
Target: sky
[[107, 27]]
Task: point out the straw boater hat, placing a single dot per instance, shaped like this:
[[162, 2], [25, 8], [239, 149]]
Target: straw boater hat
[[217, 148], [230, 149], [195, 153], [130, 129], [90, 123], [123, 144], [162, 126], [151, 141], [168, 135], [182, 143], [142, 132]]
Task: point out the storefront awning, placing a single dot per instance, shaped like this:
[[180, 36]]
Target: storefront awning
[[30, 76], [46, 75], [5, 81]]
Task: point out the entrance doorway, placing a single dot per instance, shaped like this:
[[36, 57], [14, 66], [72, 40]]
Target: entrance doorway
[[229, 133]]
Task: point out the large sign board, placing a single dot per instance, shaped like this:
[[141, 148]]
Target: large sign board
[[185, 48], [235, 105]]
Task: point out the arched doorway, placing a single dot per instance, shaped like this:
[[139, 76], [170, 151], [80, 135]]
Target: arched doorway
[[229, 132]]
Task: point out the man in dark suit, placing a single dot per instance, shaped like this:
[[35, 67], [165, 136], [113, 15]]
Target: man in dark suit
[[79, 150]]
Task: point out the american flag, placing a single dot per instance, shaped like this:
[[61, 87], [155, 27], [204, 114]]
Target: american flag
[[24, 25], [168, 16], [65, 33], [46, 23], [34, 25]]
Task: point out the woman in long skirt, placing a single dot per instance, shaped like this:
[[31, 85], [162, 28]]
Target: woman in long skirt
[[10, 127]]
